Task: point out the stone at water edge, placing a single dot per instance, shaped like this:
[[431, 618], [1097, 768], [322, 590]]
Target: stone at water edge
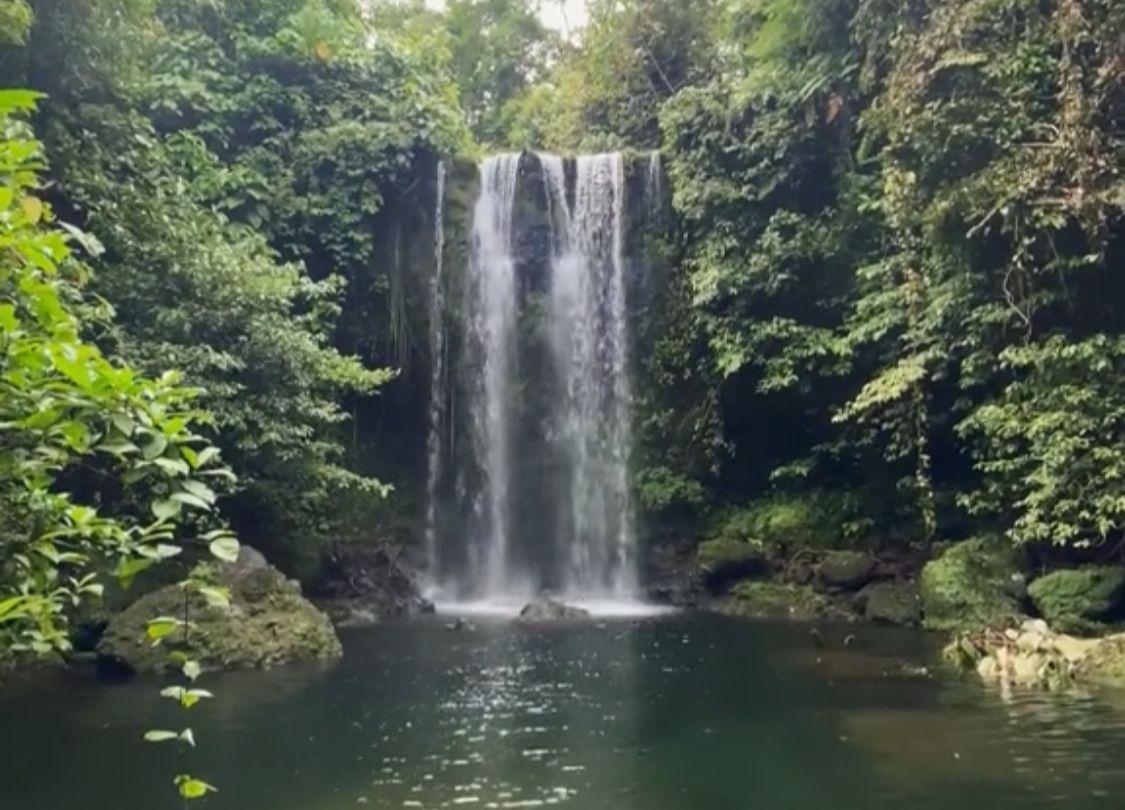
[[268, 623], [549, 610], [1077, 599], [975, 583], [846, 570], [892, 603], [726, 560]]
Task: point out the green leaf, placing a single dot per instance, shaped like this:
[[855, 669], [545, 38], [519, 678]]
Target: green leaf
[[155, 447], [199, 490], [188, 736], [226, 549], [160, 736], [166, 508], [191, 788], [216, 597], [192, 670], [162, 627], [191, 500]]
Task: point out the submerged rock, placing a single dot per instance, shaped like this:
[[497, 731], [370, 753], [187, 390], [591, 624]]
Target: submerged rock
[[549, 610], [1077, 599], [975, 583], [892, 603], [267, 623], [726, 560], [846, 570], [776, 600]]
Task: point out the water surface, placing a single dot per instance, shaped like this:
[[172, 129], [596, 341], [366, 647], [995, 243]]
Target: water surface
[[682, 712]]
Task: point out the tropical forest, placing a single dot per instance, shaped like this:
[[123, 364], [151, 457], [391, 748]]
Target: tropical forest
[[602, 404]]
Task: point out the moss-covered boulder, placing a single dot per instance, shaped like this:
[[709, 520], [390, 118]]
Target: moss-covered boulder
[[777, 600], [725, 560], [267, 623], [975, 583], [1075, 600], [892, 603], [846, 570]]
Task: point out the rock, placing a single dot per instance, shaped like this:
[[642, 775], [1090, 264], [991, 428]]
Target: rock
[[975, 583], [267, 623], [365, 579], [775, 600], [846, 570], [1104, 663], [1076, 599], [548, 610], [725, 560], [893, 603]]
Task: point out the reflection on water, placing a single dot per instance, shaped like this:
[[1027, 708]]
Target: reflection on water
[[663, 713]]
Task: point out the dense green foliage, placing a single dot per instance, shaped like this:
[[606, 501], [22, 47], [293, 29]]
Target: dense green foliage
[[101, 469], [900, 223], [235, 160]]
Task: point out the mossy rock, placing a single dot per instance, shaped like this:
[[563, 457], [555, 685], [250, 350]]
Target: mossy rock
[[1105, 663], [776, 600], [268, 623], [725, 560], [976, 583], [1075, 600], [846, 570], [893, 603]]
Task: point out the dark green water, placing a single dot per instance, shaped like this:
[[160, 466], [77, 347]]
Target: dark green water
[[672, 713]]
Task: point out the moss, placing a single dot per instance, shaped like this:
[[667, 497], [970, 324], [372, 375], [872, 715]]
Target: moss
[[976, 583], [846, 569], [784, 523], [726, 560], [774, 600], [893, 603], [267, 623], [1075, 600]]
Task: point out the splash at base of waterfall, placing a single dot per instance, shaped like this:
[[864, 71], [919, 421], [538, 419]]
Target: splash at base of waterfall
[[508, 607]]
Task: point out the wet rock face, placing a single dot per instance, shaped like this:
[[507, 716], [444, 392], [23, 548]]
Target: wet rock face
[[267, 623], [368, 582], [550, 610]]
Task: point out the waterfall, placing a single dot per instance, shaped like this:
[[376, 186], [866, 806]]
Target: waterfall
[[438, 387], [491, 325], [588, 317], [541, 367]]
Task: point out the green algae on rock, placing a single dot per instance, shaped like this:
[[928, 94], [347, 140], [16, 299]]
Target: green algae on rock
[[267, 623], [973, 584]]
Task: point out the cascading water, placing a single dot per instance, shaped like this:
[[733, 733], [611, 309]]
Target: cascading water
[[538, 358], [588, 319], [438, 385]]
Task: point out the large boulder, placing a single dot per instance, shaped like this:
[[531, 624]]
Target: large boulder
[[846, 570], [1075, 600], [725, 560], [892, 603], [975, 583], [268, 622], [549, 610]]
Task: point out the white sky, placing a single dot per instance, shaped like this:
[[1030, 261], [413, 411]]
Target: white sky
[[554, 12]]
